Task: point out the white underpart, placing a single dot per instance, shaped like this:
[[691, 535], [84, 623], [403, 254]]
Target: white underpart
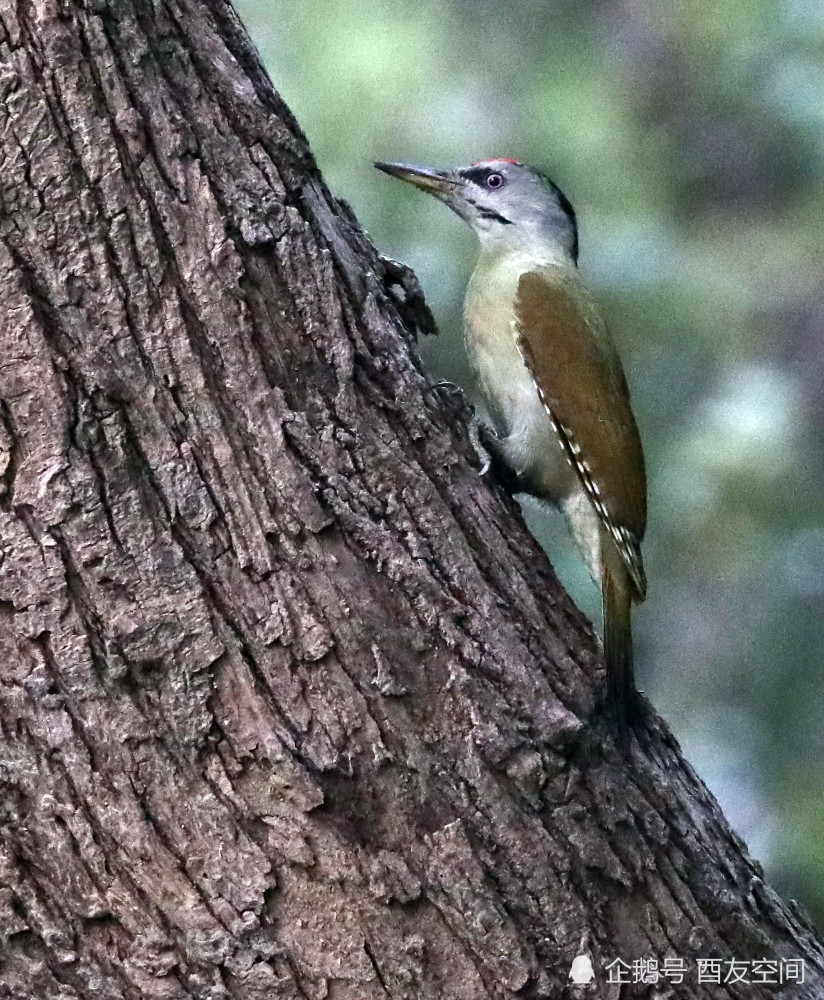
[[585, 526], [529, 441]]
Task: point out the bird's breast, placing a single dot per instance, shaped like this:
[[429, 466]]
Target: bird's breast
[[489, 313], [529, 442]]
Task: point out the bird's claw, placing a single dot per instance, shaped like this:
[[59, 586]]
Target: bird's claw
[[447, 386], [477, 432]]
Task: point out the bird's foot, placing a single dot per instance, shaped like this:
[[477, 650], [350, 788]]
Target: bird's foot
[[479, 436], [485, 442], [449, 387], [492, 452]]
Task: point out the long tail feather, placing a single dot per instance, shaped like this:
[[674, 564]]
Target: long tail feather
[[622, 698]]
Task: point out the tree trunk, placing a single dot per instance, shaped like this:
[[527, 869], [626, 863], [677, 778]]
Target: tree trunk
[[291, 704]]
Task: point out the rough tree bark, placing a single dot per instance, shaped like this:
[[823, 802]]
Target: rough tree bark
[[291, 704]]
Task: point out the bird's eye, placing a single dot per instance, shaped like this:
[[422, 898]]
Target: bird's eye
[[495, 181]]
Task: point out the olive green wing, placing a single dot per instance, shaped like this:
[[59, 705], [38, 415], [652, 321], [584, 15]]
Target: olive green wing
[[580, 380]]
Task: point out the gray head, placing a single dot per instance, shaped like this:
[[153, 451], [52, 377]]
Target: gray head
[[504, 201]]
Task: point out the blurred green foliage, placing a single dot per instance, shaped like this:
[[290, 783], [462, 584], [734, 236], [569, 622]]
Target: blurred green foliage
[[690, 138]]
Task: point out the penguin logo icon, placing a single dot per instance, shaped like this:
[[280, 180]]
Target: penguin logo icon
[[581, 971]]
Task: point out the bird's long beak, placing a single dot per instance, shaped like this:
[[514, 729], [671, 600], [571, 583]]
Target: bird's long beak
[[441, 183]]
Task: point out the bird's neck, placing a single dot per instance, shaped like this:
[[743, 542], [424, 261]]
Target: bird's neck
[[500, 265], [514, 251]]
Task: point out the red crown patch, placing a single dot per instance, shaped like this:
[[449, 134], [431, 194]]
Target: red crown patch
[[499, 159]]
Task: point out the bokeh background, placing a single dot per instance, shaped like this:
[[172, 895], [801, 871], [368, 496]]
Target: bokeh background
[[690, 138]]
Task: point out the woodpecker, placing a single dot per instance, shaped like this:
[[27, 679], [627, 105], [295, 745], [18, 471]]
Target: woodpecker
[[563, 427]]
